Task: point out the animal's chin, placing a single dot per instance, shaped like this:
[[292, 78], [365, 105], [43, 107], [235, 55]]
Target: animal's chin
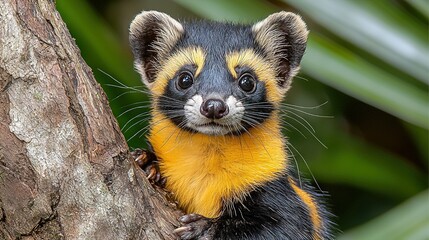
[[211, 128]]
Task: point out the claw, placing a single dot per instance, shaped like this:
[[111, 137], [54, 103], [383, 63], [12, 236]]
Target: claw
[[147, 161], [152, 173], [181, 230], [157, 177], [141, 159], [162, 181], [190, 218], [195, 227]]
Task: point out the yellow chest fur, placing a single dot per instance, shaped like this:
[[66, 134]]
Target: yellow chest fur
[[204, 171]]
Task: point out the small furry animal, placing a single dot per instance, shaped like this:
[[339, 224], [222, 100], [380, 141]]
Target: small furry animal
[[215, 127]]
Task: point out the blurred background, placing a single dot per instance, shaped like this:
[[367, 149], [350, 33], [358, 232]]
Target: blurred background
[[362, 93]]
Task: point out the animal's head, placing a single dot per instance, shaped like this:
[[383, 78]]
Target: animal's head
[[217, 78]]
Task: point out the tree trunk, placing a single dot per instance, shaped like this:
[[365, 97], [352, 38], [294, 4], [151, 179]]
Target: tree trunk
[[65, 168]]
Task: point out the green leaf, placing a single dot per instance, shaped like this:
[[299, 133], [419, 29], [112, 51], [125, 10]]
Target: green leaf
[[407, 221], [375, 31], [420, 5], [238, 10], [336, 66], [352, 162]]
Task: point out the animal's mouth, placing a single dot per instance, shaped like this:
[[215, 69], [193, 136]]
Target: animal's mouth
[[211, 124], [211, 128]]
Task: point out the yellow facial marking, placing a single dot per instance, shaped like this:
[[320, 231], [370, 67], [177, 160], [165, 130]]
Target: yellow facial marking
[[263, 69], [188, 56], [311, 205], [205, 171]]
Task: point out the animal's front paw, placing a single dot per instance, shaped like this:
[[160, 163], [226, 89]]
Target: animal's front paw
[[149, 163], [195, 227]]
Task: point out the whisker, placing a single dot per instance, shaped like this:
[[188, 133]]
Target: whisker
[[137, 133], [309, 131], [304, 107], [149, 127], [296, 164], [129, 121], [303, 119], [294, 128], [289, 109], [179, 126], [261, 142], [122, 94], [131, 109], [302, 78], [145, 103], [121, 85], [308, 167]]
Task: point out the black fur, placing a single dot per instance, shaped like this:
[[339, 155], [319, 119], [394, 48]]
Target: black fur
[[269, 212], [272, 211], [143, 49]]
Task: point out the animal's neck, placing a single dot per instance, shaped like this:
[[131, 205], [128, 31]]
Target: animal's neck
[[202, 170]]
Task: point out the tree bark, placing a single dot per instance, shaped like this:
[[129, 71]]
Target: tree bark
[[65, 168]]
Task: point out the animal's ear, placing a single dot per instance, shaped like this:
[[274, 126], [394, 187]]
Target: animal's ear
[[283, 37], [152, 36]]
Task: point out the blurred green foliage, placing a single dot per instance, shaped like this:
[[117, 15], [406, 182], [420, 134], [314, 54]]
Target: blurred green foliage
[[366, 66]]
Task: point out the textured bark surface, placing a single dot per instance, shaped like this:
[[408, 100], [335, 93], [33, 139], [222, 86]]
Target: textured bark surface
[[65, 169]]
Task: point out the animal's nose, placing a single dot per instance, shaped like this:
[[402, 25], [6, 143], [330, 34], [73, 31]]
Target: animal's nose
[[214, 108]]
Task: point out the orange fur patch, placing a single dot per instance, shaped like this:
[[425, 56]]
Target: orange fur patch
[[202, 171], [311, 205]]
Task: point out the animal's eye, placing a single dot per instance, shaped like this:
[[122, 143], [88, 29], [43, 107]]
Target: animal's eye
[[247, 83], [185, 80]]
